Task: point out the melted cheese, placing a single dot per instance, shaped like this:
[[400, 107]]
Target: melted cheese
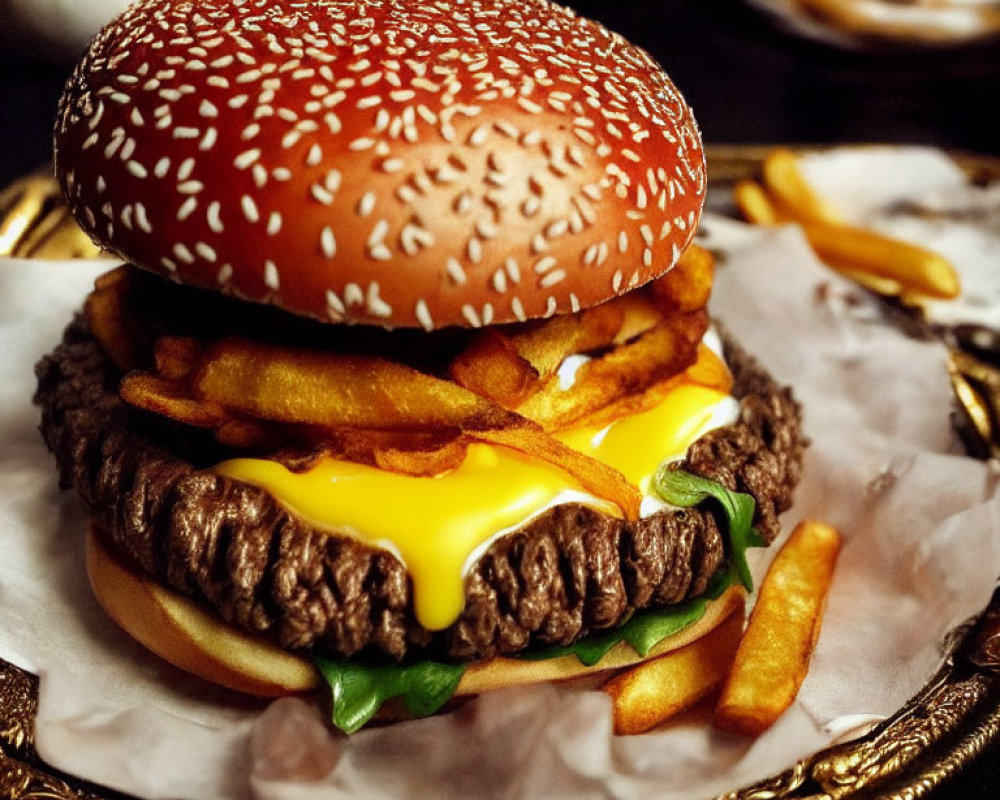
[[439, 525]]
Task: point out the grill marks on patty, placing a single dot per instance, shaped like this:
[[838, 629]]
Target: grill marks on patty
[[568, 571]]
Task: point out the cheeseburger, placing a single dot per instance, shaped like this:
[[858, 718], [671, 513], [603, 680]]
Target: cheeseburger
[[407, 385]]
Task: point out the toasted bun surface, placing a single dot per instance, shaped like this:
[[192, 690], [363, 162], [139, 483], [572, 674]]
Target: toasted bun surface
[[190, 637], [399, 163]]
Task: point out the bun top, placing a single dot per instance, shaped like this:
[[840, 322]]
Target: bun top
[[395, 162]]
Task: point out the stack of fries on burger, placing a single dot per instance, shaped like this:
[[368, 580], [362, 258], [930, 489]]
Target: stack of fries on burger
[[407, 386]]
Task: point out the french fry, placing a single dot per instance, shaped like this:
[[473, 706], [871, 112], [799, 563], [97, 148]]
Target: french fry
[[630, 369], [786, 184], [111, 321], [171, 399], [639, 314], [687, 286], [508, 366], [654, 691], [337, 391], [916, 269], [176, 356], [773, 657], [709, 370], [593, 475], [756, 205]]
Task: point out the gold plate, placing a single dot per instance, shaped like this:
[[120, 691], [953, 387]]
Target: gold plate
[[950, 722]]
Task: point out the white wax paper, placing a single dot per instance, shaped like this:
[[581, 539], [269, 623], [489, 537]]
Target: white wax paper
[[922, 552]]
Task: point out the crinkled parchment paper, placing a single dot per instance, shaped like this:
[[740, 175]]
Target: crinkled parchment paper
[[922, 552]]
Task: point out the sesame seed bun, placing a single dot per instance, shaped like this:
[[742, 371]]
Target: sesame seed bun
[[396, 163]]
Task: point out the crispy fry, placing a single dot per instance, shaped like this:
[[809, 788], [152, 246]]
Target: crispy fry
[[784, 180], [773, 657], [509, 366], [492, 367], [111, 321], [654, 691], [756, 205], [337, 391], [630, 369], [639, 314], [244, 434], [423, 454], [176, 356], [916, 269], [709, 370], [367, 394], [171, 399], [602, 480], [687, 286]]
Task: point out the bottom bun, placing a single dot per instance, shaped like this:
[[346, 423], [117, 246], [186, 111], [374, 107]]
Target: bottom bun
[[188, 636]]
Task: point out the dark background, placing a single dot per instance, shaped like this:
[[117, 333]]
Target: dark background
[[748, 81]]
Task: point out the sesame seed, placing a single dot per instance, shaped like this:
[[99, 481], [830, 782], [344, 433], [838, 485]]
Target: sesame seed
[[249, 209], [185, 169], [362, 143], [423, 315], [182, 253], [320, 194], [190, 187], [187, 208], [183, 132], [552, 278], [136, 169], [206, 252], [500, 281], [214, 217], [518, 308], [366, 204], [162, 167], [142, 218], [328, 242], [272, 279], [274, 224], [334, 305], [208, 109], [455, 272], [543, 265]]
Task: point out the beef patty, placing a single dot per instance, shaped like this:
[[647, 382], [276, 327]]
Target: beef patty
[[569, 571]]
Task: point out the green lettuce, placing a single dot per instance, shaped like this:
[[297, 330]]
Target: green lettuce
[[359, 689]]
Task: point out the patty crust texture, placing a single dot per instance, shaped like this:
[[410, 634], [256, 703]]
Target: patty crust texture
[[568, 571]]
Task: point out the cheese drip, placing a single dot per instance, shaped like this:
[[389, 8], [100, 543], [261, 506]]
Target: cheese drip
[[438, 525]]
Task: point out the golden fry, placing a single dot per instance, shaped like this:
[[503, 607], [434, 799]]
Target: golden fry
[[176, 356], [508, 366], [773, 657], [687, 286], [709, 370], [171, 399], [630, 369], [785, 182], [756, 205], [111, 321], [639, 314], [916, 269], [654, 691], [598, 478], [337, 391]]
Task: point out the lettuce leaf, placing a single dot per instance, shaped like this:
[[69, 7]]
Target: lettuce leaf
[[359, 689], [683, 489]]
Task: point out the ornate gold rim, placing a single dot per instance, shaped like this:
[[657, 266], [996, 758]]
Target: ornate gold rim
[[950, 722]]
